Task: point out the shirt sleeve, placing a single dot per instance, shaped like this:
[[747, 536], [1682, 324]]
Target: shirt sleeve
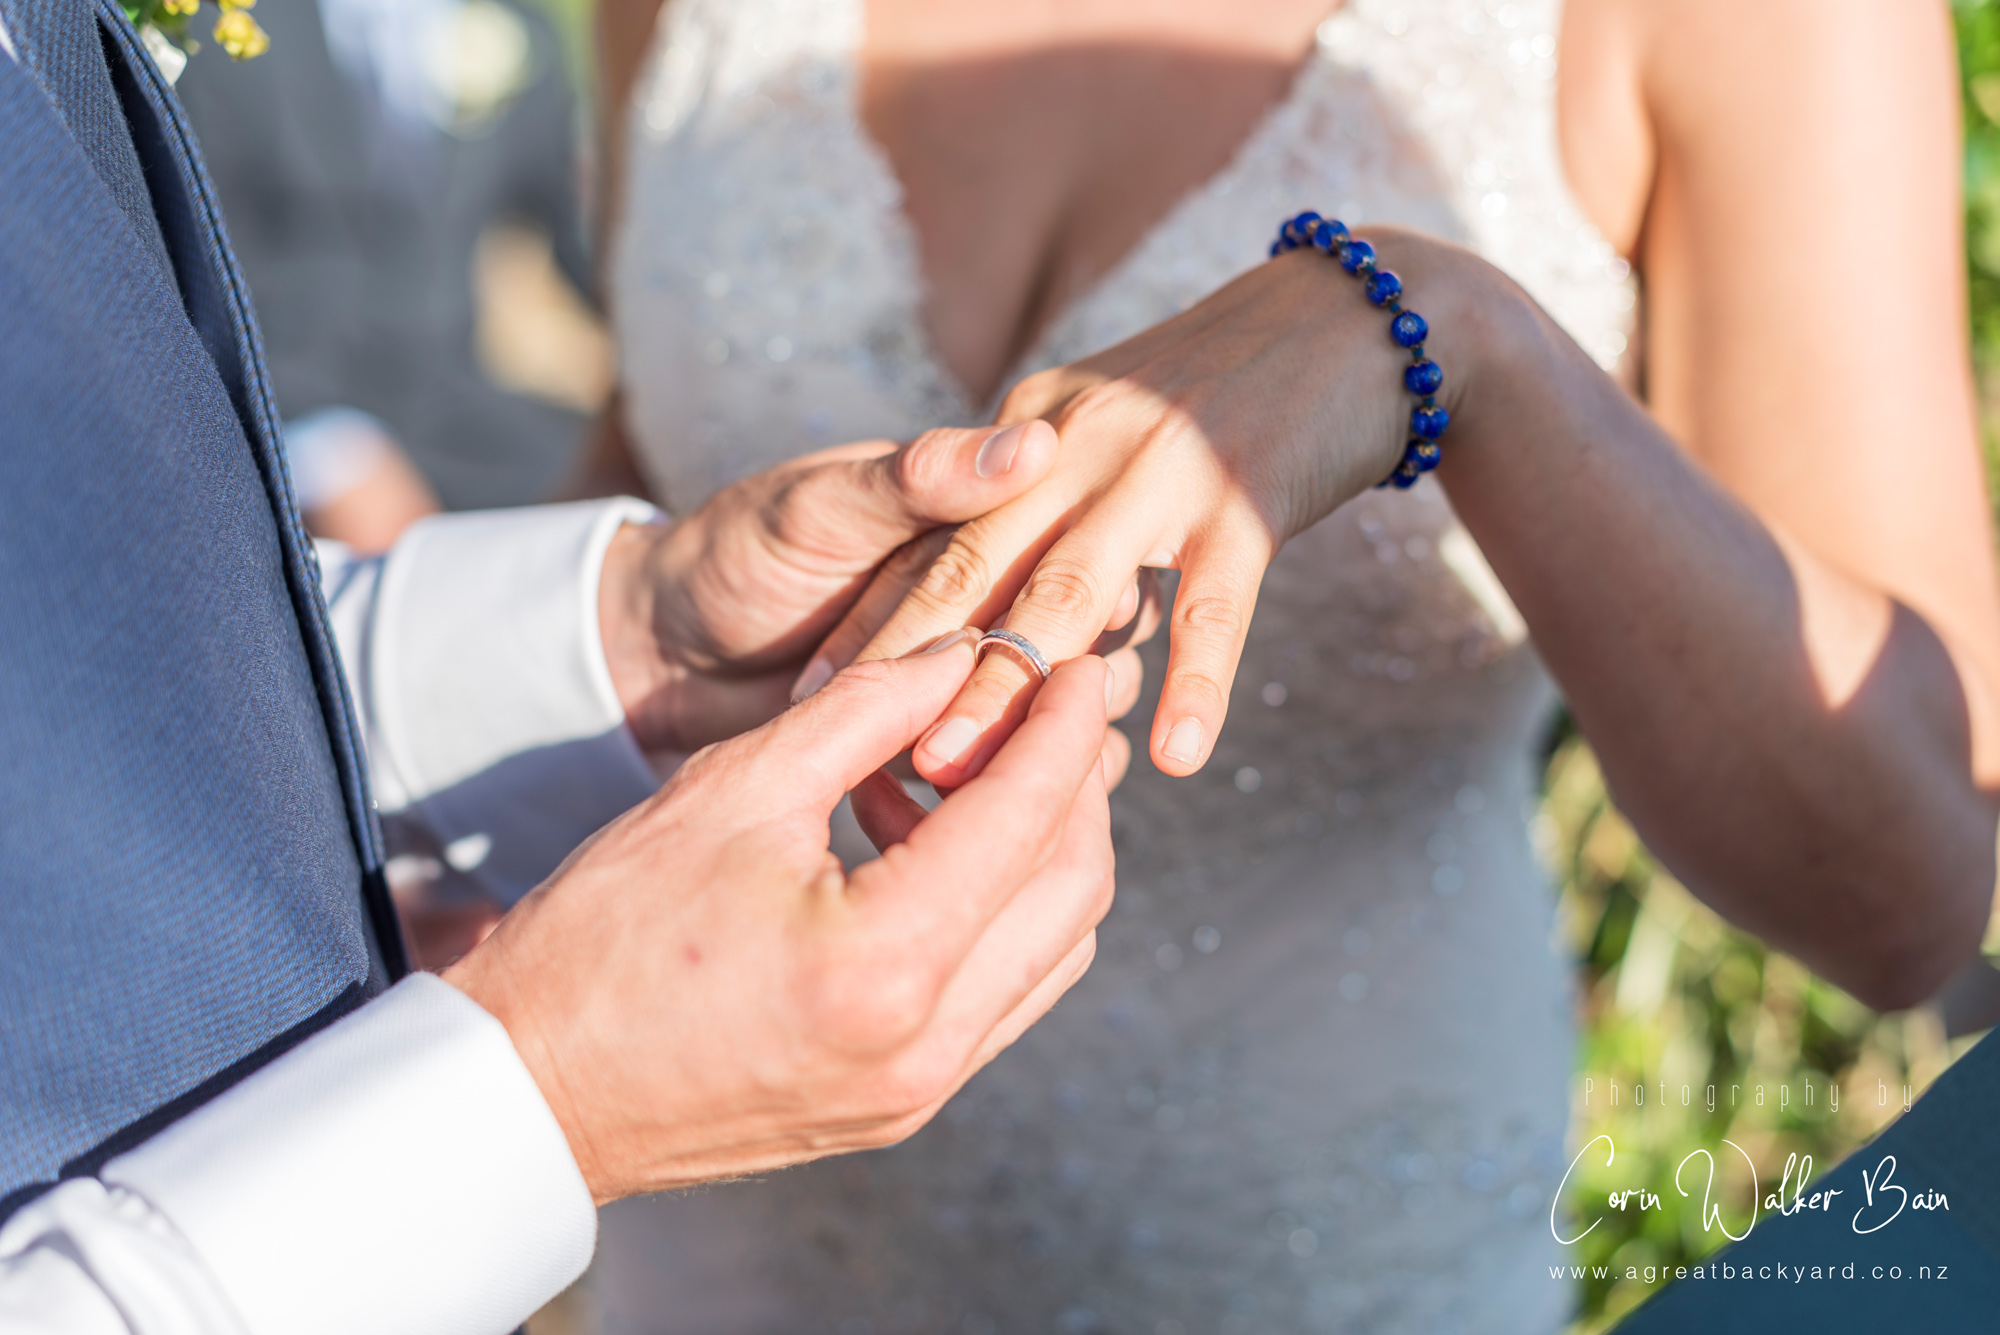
[[496, 741], [398, 1173]]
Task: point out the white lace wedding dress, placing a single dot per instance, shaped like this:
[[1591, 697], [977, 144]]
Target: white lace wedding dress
[[1316, 1079]]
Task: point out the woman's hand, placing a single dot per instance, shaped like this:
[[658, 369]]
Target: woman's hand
[[1200, 446], [706, 622]]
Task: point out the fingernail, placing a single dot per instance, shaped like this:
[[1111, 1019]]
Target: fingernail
[[817, 674], [953, 741], [996, 456], [1184, 742], [948, 640]]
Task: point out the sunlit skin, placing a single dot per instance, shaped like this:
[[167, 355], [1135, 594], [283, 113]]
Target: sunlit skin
[[707, 622], [700, 990], [1767, 590]]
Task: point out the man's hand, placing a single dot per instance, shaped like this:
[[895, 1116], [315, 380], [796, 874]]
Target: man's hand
[[701, 992], [708, 623]]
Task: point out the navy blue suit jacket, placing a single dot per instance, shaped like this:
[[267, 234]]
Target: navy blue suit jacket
[[189, 868]]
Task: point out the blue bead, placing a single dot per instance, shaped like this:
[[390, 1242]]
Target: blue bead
[[1277, 249], [1409, 329], [1329, 234], [1405, 476], [1384, 287], [1429, 422], [1300, 229], [1355, 255], [1423, 377], [1423, 453]]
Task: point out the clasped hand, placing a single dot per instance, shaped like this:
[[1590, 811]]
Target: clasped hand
[[1201, 446], [701, 991]]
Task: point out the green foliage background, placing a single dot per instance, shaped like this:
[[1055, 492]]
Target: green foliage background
[[1979, 63], [1671, 994]]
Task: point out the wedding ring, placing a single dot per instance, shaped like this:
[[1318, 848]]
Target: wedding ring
[[1021, 645]]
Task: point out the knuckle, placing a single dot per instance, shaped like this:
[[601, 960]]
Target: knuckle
[[713, 754], [959, 577], [1100, 905], [1198, 689], [1106, 889], [918, 470], [917, 555], [1208, 615], [796, 512], [1088, 949], [699, 766], [918, 1080], [1030, 394], [1045, 845], [876, 1006], [1067, 588], [1106, 401], [988, 695], [868, 676], [894, 1124]]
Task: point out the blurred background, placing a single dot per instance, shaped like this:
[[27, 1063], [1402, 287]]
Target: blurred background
[[402, 180]]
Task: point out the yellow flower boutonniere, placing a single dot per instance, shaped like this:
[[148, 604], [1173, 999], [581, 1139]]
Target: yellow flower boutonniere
[[163, 25]]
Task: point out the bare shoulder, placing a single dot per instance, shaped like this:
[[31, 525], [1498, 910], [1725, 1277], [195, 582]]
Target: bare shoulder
[[1732, 83], [1718, 69], [1605, 129]]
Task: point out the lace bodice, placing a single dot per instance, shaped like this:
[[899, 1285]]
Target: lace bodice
[[1315, 1078]]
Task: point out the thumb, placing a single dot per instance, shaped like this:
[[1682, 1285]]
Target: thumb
[[950, 475], [866, 504], [863, 718]]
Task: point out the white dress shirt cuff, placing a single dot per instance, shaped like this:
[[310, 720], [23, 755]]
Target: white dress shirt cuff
[[398, 1172], [493, 718]]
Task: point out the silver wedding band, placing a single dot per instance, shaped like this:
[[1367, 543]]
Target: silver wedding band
[[1021, 645]]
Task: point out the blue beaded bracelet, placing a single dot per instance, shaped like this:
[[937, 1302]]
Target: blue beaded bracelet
[[1422, 377]]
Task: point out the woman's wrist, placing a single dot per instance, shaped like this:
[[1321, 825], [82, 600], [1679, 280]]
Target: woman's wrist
[[1428, 327], [1514, 383], [1477, 320], [1347, 330]]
